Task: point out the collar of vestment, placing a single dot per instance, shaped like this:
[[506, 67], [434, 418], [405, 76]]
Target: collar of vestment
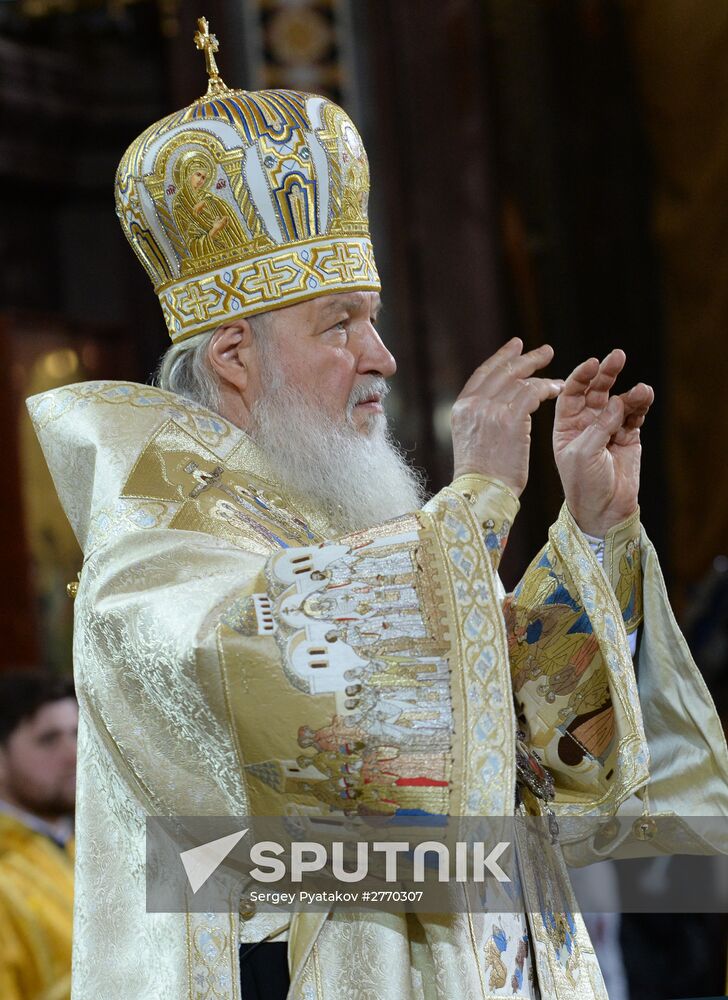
[[194, 467], [60, 833]]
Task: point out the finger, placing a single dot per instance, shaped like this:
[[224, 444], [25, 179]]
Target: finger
[[522, 385], [580, 379], [636, 419], [509, 351], [504, 376], [637, 403], [629, 432], [571, 401], [598, 435], [606, 376], [639, 397], [532, 392]]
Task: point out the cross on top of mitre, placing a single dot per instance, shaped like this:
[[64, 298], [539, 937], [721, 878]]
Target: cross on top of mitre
[[209, 44]]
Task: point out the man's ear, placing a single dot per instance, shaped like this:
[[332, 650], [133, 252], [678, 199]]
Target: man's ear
[[231, 353]]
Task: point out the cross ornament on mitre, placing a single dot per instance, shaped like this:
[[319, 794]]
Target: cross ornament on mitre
[[209, 45]]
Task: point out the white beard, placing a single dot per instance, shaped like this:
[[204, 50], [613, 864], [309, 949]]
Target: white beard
[[357, 478]]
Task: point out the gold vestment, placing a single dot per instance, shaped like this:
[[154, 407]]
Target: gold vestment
[[36, 909], [218, 629]]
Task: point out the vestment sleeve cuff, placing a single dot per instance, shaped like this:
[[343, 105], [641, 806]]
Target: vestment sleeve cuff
[[494, 506], [622, 564]]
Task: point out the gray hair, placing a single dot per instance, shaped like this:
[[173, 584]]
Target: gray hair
[[185, 369]]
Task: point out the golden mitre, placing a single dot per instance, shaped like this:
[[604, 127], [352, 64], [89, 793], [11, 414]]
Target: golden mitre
[[246, 201]]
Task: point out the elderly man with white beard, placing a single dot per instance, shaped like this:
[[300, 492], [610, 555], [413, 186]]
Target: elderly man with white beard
[[271, 620], [291, 382]]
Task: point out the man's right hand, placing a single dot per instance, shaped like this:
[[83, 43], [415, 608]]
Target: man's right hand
[[491, 418]]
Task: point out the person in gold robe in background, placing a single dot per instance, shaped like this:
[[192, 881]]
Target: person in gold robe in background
[[38, 725], [266, 586]]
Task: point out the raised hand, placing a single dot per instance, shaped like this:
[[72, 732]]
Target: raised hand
[[597, 443], [491, 418]]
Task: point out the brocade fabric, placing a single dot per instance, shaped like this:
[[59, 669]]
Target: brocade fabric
[[232, 657]]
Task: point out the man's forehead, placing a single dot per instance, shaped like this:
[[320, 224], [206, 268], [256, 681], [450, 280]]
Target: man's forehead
[[350, 301], [54, 714]]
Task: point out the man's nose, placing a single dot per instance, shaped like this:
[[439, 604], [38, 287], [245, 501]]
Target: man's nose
[[375, 359]]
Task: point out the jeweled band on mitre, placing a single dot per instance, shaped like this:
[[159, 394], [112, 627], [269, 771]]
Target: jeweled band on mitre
[[247, 201], [284, 277]]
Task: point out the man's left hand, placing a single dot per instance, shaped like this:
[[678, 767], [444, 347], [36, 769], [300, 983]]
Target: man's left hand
[[597, 443]]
